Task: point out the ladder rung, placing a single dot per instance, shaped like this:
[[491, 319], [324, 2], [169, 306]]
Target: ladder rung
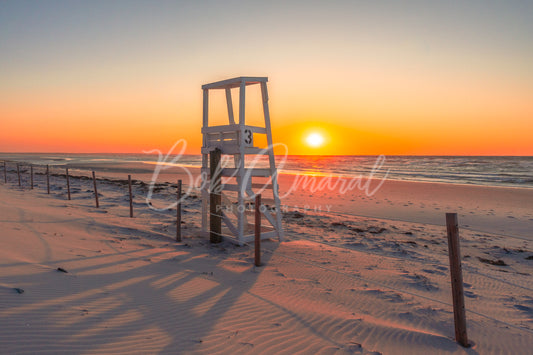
[[234, 187], [231, 147], [247, 171]]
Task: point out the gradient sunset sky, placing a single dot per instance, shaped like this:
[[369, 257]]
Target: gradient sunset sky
[[373, 77]]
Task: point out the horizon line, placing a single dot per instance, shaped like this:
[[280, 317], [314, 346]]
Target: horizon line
[[306, 155]]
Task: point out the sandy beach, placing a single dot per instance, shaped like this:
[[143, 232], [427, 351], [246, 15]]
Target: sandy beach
[[370, 278], [493, 209], [379, 153]]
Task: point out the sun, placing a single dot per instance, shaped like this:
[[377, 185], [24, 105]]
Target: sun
[[315, 140]]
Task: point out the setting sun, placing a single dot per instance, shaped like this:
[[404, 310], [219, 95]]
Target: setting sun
[[315, 140]]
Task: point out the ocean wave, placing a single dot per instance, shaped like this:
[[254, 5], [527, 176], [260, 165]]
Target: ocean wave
[[493, 171]]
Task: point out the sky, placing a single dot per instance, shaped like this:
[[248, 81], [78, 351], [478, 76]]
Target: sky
[[370, 77]]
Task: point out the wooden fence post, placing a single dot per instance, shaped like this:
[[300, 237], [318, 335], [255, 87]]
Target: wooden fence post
[[5, 172], [68, 185], [31, 173], [18, 173], [48, 179], [178, 214], [95, 191], [457, 279], [258, 230], [215, 197], [131, 197]]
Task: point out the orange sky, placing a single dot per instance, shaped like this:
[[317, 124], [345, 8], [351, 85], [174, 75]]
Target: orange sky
[[438, 81]]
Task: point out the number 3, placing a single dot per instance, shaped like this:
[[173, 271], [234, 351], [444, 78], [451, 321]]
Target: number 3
[[247, 136]]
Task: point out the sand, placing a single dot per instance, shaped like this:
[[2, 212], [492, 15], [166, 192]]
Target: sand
[[372, 278], [497, 210]]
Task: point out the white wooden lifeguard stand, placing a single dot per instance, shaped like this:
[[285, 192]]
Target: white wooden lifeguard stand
[[237, 139]]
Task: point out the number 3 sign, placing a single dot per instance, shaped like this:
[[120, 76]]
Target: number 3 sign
[[248, 137]]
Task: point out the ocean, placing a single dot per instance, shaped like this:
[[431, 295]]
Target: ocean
[[510, 171]]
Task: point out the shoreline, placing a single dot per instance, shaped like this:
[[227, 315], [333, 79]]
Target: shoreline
[[516, 181], [493, 209]]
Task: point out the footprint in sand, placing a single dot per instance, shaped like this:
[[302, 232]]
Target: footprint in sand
[[353, 347], [429, 271], [470, 294], [525, 309]]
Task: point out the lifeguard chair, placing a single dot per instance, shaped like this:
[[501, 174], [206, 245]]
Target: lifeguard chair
[[240, 180]]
